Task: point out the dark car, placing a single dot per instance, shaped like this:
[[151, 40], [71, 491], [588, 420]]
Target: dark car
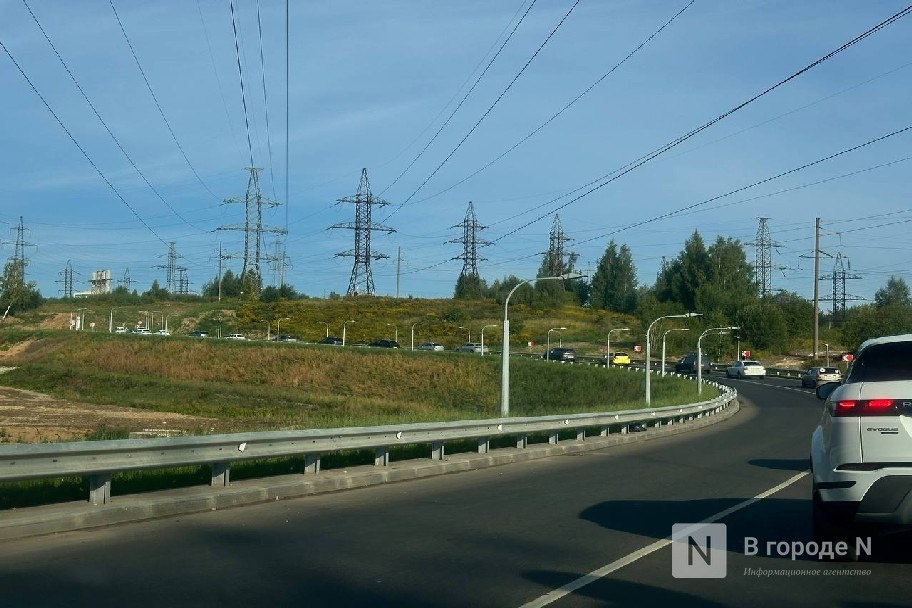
[[198, 334], [560, 354], [331, 340], [384, 344], [688, 364], [286, 338]]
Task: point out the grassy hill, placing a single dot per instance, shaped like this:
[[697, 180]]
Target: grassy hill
[[266, 385]]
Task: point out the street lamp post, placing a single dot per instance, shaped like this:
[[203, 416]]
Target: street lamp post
[[327, 327], [608, 346], [686, 315], [548, 347], [396, 330], [469, 336], [278, 326], [344, 324], [413, 334], [668, 331], [505, 351], [827, 347], [482, 336], [700, 353]]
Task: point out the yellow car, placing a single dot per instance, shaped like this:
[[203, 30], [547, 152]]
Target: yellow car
[[620, 359]]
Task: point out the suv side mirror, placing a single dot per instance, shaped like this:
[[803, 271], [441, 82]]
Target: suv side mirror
[[825, 390]]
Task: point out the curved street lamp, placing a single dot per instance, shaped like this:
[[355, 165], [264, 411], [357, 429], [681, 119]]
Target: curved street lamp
[[482, 336], [327, 327], [344, 324], [548, 347], [668, 331], [700, 352], [413, 333], [505, 351], [686, 315], [396, 330], [608, 346]]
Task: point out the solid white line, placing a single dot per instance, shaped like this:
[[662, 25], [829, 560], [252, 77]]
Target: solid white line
[[553, 596]]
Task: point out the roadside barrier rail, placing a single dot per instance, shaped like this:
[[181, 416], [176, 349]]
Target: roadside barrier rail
[[100, 460]]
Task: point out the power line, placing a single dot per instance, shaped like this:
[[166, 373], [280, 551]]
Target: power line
[[618, 173], [265, 98], [157, 104], [461, 101], [76, 143], [563, 109], [487, 112], [103, 123], [237, 53]]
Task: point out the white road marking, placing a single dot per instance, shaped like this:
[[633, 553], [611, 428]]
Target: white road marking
[[553, 596]]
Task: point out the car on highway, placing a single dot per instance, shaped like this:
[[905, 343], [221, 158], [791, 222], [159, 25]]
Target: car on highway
[[198, 334], [143, 331], [473, 347], [560, 354], [620, 359], [120, 329], [745, 368], [816, 376], [286, 338], [235, 337], [861, 450], [431, 346], [163, 332], [384, 344], [331, 340], [688, 364]]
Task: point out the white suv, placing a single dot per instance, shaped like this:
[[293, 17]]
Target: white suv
[[745, 369], [861, 452]]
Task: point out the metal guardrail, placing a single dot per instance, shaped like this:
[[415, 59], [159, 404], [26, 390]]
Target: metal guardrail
[[99, 460]]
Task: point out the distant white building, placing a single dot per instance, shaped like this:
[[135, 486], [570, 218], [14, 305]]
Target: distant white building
[[99, 284]]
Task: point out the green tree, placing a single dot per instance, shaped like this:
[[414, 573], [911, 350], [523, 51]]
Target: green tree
[[470, 287], [763, 326], [15, 293], [895, 292], [156, 292], [871, 321], [614, 286]]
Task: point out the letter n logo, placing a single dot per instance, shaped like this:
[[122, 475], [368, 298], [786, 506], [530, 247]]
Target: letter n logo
[[699, 551]]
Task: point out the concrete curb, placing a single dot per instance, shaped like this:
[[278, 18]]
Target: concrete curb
[[67, 517]]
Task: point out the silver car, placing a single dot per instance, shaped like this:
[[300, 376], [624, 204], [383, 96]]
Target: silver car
[[816, 376]]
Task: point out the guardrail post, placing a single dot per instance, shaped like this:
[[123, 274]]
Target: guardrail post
[[221, 474], [581, 435], [437, 450], [381, 457], [624, 430], [484, 445], [552, 437], [522, 441], [312, 463], [603, 432], [100, 489]]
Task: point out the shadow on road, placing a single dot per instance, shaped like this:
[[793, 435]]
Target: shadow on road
[[781, 464]]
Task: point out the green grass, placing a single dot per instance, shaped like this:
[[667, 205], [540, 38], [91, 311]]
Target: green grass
[[262, 386]]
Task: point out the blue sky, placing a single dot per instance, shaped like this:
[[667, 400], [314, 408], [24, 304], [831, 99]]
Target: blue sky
[[372, 81]]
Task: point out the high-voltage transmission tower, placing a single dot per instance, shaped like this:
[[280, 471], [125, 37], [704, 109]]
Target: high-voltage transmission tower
[[170, 268], [362, 280], [183, 281], [67, 279], [763, 261], [470, 243], [839, 277], [556, 254], [18, 262], [126, 281], [253, 227]]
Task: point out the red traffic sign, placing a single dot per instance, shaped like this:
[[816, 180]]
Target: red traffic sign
[[848, 357], [637, 348], [531, 343], [745, 353]]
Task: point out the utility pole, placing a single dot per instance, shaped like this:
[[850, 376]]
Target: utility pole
[[816, 286], [126, 281], [763, 261], [470, 243], [170, 268], [839, 277], [555, 253], [398, 268], [362, 279], [67, 280]]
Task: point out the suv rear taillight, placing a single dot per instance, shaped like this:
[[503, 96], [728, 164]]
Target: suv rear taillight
[[866, 407]]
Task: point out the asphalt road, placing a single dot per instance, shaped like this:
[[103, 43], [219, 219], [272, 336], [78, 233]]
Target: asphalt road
[[504, 536]]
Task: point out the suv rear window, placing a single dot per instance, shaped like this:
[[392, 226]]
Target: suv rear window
[[882, 363]]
